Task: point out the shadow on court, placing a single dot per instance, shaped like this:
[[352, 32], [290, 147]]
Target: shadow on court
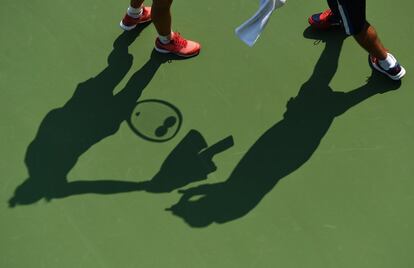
[[283, 148], [93, 113]]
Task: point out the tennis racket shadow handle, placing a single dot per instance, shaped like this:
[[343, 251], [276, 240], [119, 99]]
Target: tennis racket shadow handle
[[207, 154]]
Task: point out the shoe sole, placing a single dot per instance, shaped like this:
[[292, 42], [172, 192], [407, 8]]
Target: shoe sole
[[129, 28], [164, 51], [397, 77]]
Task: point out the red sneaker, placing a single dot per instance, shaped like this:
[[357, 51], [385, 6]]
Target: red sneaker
[[178, 46], [324, 20], [128, 23]]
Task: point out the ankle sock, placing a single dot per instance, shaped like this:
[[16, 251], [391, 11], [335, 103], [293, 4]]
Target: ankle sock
[[165, 39], [388, 63], [134, 12]]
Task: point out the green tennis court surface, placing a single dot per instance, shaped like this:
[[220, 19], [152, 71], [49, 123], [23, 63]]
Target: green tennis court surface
[[290, 154]]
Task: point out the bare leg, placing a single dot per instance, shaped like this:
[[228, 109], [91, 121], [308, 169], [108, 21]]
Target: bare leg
[[368, 39], [136, 3], [161, 16], [167, 41]]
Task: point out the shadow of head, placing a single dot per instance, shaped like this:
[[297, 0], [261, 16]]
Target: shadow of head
[[195, 213], [29, 192], [206, 204], [197, 209]]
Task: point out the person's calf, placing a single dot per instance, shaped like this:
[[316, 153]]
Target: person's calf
[[368, 39], [162, 4], [136, 3], [379, 57], [161, 17]]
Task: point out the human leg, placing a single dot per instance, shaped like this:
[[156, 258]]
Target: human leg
[[351, 14], [169, 41], [353, 17]]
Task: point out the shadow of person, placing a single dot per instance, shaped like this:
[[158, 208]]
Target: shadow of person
[[93, 113], [283, 148], [190, 161]]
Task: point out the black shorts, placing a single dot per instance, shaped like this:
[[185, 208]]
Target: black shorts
[[352, 14]]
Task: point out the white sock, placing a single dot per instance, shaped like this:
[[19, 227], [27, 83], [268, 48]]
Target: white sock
[[134, 12], [388, 63], [165, 39]]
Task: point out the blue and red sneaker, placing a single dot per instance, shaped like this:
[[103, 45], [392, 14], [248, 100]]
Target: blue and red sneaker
[[395, 73], [325, 20]]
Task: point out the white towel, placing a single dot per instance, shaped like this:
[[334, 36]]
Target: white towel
[[250, 30]]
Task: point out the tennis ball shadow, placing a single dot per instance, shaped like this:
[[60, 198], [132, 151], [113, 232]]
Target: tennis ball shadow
[[163, 130], [155, 120]]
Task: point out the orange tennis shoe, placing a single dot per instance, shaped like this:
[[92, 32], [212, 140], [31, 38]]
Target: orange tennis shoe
[[178, 46]]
